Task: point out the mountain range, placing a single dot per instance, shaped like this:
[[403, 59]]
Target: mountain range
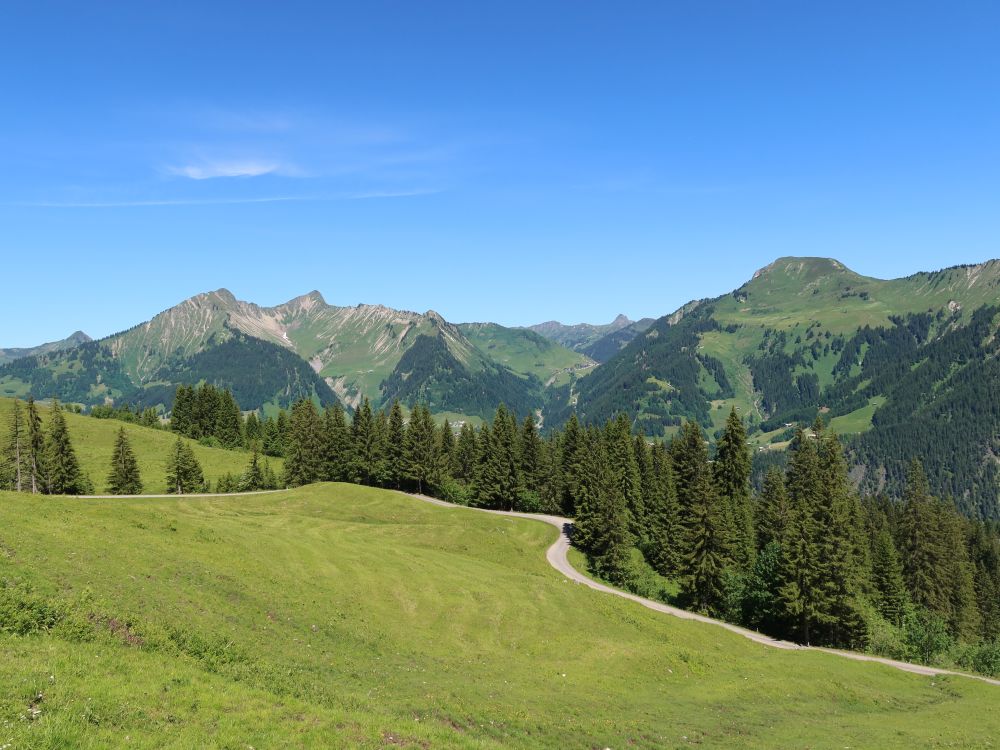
[[908, 367]]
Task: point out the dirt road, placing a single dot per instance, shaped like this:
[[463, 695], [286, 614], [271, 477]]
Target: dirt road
[[558, 558]]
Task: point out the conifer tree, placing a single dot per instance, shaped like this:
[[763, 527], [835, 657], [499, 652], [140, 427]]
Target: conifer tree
[[446, 450], [124, 478], [253, 431], [184, 474], [365, 441], [62, 470], [228, 422], [253, 478], [625, 472], [572, 460], [35, 458], [271, 438], [773, 510], [304, 456], [182, 414], [925, 557], [732, 477], [887, 579], [466, 454], [421, 461], [529, 454], [664, 528], [705, 544], [801, 574], [338, 449], [395, 448], [841, 545], [15, 455], [498, 483]]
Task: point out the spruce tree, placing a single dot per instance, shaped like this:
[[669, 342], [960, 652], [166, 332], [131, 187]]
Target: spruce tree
[[572, 460], [253, 431], [124, 477], [887, 579], [16, 468], [365, 439], [228, 427], [922, 546], [530, 454], [182, 414], [801, 576], [498, 481], [466, 454], [62, 470], [337, 449], [446, 450], [664, 527], [842, 547], [304, 457], [704, 547], [253, 478], [625, 472], [773, 510], [184, 474], [732, 477], [395, 448], [35, 458], [421, 449]]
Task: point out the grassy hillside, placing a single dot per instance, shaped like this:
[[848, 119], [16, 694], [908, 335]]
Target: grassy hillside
[[526, 352], [93, 440], [340, 616]]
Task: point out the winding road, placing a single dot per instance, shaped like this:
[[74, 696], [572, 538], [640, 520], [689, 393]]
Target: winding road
[[558, 558]]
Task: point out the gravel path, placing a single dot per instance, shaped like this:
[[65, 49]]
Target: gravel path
[[558, 558]]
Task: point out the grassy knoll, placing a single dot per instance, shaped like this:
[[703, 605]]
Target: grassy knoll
[[340, 616], [93, 440]]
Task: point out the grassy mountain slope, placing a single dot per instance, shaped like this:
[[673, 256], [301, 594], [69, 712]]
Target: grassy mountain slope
[[394, 623], [94, 439], [74, 339], [526, 352], [808, 336], [270, 356]]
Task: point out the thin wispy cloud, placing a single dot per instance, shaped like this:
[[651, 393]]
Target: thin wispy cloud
[[347, 196], [209, 170]]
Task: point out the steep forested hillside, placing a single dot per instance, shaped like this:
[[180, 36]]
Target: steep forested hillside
[[908, 365]]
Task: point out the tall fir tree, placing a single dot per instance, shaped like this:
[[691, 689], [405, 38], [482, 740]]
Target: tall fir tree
[[802, 603], [572, 458], [62, 469], [421, 449], [625, 472], [395, 447], [466, 454], [366, 444], [35, 458], [498, 482], [887, 578], [124, 477], [338, 450], [304, 454], [773, 509], [706, 542], [15, 454], [663, 524], [184, 473], [529, 449], [228, 427], [732, 477]]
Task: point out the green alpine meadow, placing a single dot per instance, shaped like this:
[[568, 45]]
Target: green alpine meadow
[[343, 616]]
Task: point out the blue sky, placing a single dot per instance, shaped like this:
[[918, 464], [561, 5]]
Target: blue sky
[[514, 162]]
